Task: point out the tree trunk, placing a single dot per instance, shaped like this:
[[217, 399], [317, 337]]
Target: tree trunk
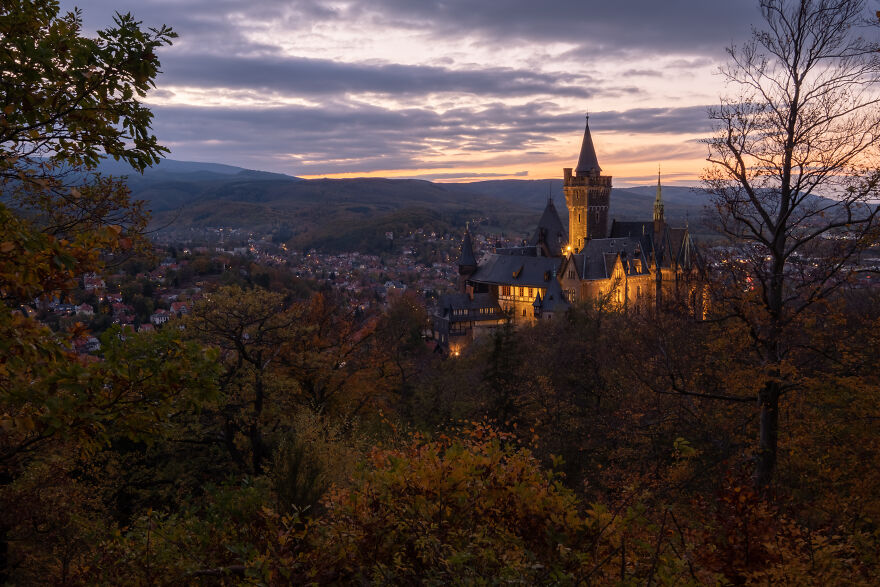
[[768, 397], [768, 435], [256, 435]]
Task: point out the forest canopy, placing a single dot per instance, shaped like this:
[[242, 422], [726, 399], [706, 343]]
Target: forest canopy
[[272, 433]]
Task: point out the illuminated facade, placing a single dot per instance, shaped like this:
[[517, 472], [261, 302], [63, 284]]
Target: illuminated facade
[[627, 265]]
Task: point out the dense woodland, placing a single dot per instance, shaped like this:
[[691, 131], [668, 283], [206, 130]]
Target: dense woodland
[[279, 437]]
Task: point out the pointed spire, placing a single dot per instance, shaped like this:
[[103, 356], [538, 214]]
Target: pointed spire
[[658, 201], [467, 258], [587, 162], [550, 229]]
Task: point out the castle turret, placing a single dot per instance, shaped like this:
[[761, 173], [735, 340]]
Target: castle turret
[[658, 208], [549, 237], [467, 262], [587, 195], [659, 243]]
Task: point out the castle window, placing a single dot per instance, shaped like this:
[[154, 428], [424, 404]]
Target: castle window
[[524, 311], [522, 292], [571, 273], [530, 293]]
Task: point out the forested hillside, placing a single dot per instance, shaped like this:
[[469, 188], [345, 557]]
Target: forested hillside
[[273, 434]]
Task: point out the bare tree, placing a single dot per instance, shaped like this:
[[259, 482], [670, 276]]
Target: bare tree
[[795, 175]]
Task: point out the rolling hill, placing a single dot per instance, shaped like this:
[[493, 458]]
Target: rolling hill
[[351, 213]]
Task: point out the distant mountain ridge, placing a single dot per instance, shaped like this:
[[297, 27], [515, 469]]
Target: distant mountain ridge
[[190, 168], [184, 194]]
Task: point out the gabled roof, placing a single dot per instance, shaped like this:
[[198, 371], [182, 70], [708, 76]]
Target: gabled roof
[[587, 161], [550, 229], [517, 270], [687, 255]]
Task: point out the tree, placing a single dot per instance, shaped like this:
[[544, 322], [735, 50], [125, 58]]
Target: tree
[[794, 178], [65, 101], [249, 327]]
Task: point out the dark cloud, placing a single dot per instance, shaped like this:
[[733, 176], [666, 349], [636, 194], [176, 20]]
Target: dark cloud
[[686, 120], [219, 52], [599, 28], [641, 73], [687, 26], [351, 138], [657, 152], [309, 77]]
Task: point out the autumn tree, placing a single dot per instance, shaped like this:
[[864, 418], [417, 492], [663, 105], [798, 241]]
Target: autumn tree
[[249, 327], [794, 178], [399, 338], [67, 100], [329, 358]]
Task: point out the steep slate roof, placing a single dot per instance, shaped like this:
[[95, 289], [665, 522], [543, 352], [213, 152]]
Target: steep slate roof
[[527, 251], [597, 259], [686, 253], [467, 259], [460, 301], [551, 227], [587, 161], [554, 301], [517, 270], [642, 231], [666, 246]]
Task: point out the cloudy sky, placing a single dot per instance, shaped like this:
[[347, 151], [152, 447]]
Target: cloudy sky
[[450, 90]]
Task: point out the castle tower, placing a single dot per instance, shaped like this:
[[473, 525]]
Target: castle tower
[[587, 195]]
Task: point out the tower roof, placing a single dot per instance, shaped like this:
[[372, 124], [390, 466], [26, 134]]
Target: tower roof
[[658, 201], [554, 300], [587, 161], [467, 258], [550, 226]]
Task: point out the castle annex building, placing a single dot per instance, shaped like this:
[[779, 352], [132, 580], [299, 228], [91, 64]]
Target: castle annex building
[[628, 265]]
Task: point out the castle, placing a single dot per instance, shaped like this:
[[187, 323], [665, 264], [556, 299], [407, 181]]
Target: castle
[[626, 265]]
